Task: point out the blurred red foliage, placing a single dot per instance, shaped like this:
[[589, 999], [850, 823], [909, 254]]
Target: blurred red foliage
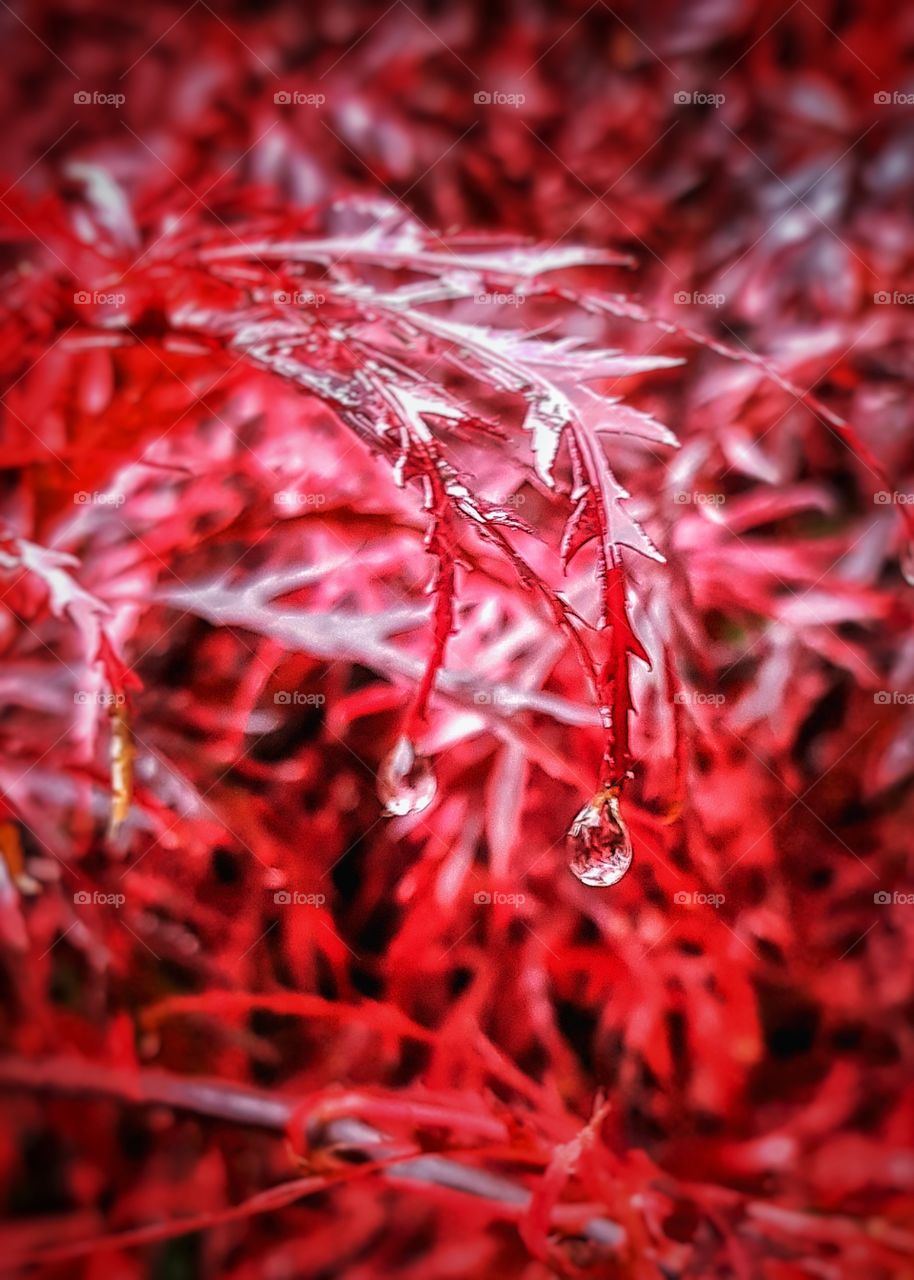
[[512, 404]]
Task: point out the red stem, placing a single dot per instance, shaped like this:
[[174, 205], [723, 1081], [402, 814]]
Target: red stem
[[618, 756]]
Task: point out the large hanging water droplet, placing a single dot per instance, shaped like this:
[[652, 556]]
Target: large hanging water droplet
[[598, 841], [406, 780], [906, 560]]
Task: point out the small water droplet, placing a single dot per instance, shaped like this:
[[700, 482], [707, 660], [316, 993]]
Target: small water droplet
[[406, 780], [906, 560], [598, 841]]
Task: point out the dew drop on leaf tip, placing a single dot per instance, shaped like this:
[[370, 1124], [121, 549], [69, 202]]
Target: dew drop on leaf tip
[[598, 842], [406, 780], [906, 560]]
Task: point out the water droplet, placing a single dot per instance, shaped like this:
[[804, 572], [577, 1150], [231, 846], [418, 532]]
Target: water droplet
[[406, 780], [906, 560], [598, 841]]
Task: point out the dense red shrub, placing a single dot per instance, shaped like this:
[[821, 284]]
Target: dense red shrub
[[443, 450]]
